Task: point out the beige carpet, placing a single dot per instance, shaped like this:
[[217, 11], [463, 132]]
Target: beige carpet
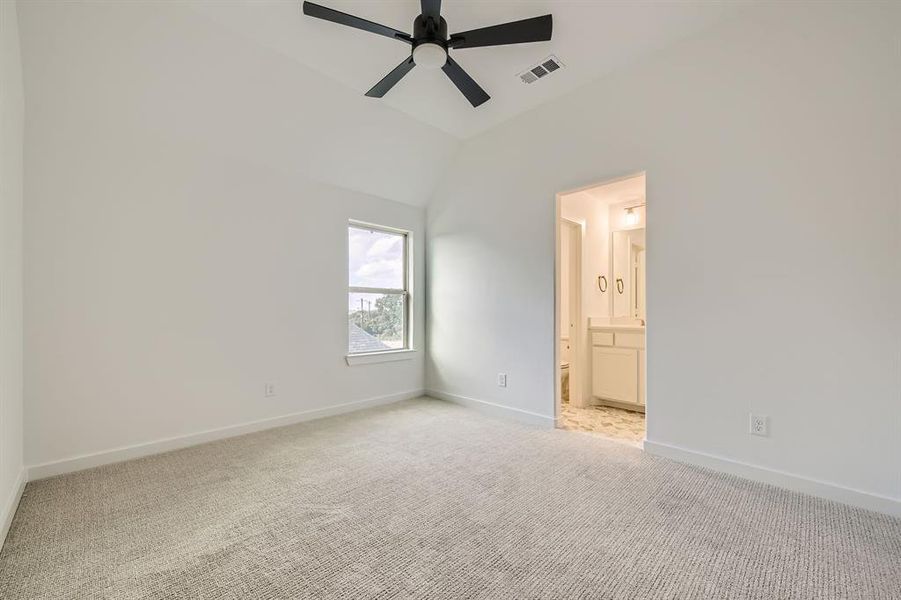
[[428, 500]]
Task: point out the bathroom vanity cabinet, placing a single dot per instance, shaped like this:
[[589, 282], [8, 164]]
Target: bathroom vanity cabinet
[[618, 364]]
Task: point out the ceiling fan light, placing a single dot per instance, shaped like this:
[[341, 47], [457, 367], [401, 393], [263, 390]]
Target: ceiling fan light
[[429, 55]]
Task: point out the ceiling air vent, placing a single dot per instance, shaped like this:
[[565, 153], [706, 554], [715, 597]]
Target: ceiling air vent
[[545, 67]]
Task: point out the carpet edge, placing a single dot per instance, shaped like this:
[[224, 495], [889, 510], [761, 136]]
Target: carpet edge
[[789, 481], [114, 455], [497, 410], [12, 504]]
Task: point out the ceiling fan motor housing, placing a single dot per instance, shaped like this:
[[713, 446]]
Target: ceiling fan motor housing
[[426, 30], [429, 42]]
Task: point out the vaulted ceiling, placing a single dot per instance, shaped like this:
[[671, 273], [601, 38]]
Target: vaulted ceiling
[[258, 80], [591, 38]]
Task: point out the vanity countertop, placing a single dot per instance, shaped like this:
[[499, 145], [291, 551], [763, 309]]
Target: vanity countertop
[[600, 324]]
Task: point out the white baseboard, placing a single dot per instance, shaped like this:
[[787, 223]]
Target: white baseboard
[[821, 489], [497, 410], [10, 504], [87, 461]]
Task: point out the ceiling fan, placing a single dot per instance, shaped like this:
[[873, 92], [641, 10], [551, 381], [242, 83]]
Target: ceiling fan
[[430, 43]]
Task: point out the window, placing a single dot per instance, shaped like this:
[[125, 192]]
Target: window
[[378, 293]]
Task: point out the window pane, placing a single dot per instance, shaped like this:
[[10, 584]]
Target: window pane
[[376, 258], [376, 322]]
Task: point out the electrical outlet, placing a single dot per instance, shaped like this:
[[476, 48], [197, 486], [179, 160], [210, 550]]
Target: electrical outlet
[[759, 425], [269, 390], [501, 380]]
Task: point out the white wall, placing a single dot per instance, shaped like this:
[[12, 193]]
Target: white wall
[[184, 243], [163, 69], [592, 214], [11, 125], [755, 136]]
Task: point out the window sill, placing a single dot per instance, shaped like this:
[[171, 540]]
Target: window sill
[[379, 357]]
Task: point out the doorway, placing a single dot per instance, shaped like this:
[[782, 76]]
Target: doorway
[[600, 309]]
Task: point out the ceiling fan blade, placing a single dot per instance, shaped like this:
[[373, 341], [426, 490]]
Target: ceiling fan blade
[[431, 8], [536, 29], [391, 79], [466, 84], [321, 12]]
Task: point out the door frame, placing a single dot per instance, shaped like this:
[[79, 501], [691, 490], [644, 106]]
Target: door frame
[[558, 388], [577, 369]]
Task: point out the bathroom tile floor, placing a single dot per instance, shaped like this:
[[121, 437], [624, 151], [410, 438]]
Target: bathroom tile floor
[[606, 421]]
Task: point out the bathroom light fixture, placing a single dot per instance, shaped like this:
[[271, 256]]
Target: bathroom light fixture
[[631, 216]]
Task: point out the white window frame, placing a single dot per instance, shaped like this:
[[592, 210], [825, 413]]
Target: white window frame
[[405, 352]]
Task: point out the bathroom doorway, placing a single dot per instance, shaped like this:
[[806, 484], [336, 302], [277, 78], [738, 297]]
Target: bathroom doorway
[[600, 309]]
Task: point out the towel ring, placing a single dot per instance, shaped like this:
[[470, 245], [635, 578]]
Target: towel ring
[[601, 278], [619, 285]]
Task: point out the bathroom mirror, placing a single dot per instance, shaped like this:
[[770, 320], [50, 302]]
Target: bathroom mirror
[[627, 267]]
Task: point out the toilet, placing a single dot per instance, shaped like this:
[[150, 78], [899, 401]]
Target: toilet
[[564, 370]]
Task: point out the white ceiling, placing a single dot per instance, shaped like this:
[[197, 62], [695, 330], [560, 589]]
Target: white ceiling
[[592, 38], [258, 80], [153, 75]]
